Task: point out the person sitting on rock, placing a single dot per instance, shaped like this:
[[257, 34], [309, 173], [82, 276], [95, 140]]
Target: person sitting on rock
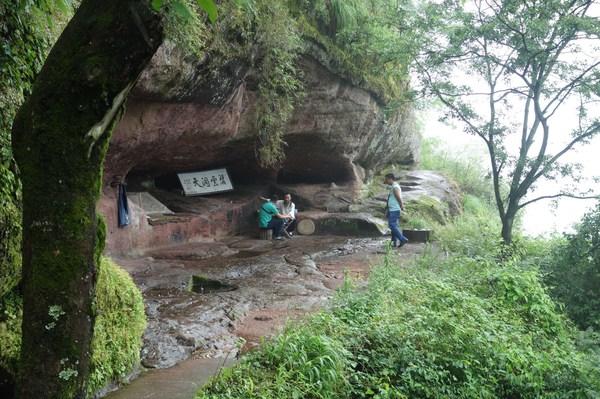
[[287, 207], [270, 218], [393, 207]]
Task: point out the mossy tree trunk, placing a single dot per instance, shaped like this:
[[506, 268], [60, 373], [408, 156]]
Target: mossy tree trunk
[[60, 139]]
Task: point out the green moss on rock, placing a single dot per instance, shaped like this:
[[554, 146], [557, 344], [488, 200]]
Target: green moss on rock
[[120, 323], [425, 212], [11, 315], [28, 34], [116, 343], [10, 245]]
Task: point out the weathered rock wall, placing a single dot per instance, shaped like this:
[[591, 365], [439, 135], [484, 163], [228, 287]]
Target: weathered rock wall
[[176, 120], [337, 126]]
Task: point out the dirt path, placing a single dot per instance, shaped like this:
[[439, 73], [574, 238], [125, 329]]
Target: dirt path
[[245, 290]]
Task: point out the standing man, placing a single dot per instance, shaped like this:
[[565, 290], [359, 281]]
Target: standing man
[[287, 207], [393, 208], [270, 218]]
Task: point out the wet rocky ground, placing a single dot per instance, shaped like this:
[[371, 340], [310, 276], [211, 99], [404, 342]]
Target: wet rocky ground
[[213, 299], [209, 302]]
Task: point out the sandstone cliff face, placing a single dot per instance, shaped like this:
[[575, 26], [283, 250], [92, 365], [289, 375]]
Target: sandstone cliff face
[[177, 120]]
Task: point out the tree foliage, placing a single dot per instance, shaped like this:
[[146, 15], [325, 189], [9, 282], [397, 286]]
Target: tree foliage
[[573, 272], [505, 70], [182, 8], [370, 42]]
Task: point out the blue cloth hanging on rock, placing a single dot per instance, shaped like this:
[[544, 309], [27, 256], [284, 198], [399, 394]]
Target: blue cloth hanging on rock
[[123, 206]]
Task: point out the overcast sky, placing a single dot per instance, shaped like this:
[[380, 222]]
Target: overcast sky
[[543, 217]]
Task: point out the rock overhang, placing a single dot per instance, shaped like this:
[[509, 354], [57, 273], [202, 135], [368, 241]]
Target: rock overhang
[[338, 133], [177, 119]]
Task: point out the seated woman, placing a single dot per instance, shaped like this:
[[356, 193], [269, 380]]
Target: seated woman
[[287, 207], [270, 218]]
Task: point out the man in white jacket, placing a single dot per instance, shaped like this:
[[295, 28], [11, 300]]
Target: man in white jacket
[[287, 207]]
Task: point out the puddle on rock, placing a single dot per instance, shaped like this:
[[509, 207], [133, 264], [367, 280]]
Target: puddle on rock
[[248, 254], [204, 285]]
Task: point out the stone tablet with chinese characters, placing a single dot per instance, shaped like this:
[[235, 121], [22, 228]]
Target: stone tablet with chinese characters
[[206, 182]]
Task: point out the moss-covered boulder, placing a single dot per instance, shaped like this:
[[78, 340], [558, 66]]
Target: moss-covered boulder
[[120, 323], [116, 343], [425, 212]]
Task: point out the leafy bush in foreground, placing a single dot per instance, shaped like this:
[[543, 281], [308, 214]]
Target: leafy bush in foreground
[[458, 328]]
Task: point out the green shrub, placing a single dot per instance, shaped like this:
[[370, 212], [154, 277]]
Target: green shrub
[[279, 77], [455, 328], [573, 272], [120, 323], [360, 43]]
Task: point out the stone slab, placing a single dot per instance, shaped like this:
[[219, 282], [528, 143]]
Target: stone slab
[[179, 382], [148, 203]]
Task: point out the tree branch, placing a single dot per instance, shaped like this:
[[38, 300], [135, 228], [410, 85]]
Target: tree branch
[[592, 130], [449, 104], [568, 88], [543, 197]]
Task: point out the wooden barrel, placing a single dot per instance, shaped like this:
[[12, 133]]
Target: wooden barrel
[[306, 227], [265, 234]]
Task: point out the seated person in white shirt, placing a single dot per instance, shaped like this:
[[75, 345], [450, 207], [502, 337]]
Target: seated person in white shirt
[[287, 207]]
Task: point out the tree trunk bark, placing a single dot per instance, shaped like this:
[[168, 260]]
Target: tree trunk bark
[[60, 139], [507, 228], [507, 231]]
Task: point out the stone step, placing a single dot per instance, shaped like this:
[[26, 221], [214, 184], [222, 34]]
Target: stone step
[[346, 224]]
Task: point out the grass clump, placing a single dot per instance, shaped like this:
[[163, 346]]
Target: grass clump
[[474, 232], [298, 364], [464, 169], [116, 343]]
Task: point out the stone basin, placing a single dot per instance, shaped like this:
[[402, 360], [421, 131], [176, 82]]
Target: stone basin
[[417, 235], [205, 285]]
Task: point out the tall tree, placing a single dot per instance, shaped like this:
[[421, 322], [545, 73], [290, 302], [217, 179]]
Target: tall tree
[[505, 69], [60, 137]]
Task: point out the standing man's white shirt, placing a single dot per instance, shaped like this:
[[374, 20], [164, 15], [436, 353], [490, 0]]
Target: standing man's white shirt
[[290, 209]]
